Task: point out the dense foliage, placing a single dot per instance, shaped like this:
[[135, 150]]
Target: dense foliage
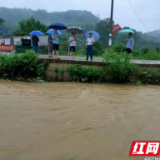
[[1, 21], [150, 76], [86, 74], [29, 25], [25, 65], [119, 67], [119, 48]]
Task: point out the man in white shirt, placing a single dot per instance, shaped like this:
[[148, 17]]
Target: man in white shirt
[[89, 45], [73, 42]]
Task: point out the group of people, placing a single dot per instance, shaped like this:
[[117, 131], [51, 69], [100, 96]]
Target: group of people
[[53, 44]]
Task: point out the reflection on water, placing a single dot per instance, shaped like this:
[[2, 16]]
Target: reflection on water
[[59, 121]]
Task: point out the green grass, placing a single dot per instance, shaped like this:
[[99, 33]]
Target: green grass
[[148, 56]]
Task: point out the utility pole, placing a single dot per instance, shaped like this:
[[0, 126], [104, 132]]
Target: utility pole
[[111, 23]]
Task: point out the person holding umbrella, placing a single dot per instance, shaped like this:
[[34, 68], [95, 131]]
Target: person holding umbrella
[[55, 38], [129, 43], [50, 41], [74, 30], [89, 45], [35, 40], [73, 42]]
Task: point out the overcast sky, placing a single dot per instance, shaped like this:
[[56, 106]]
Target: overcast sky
[[147, 10]]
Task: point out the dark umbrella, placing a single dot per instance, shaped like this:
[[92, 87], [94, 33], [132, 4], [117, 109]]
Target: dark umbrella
[[75, 29], [59, 26]]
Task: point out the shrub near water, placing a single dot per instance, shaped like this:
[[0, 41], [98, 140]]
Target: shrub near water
[[86, 74], [29, 61], [151, 76], [120, 68], [26, 65]]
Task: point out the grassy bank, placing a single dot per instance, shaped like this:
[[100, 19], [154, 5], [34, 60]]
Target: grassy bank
[[117, 68]]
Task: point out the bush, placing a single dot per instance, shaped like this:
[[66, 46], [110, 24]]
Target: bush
[[151, 76], [75, 72], [97, 48], [26, 65], [158, 49], [152, 56], [11, 65], [86, 74], [56, 69], [29, 61], [136, 53], [120, 68], [81, 52], [62, 71], [145, 50], [148, 56], [119, 47], [41, 70]]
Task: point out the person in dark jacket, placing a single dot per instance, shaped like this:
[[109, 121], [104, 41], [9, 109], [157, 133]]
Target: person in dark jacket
[[35, 41]]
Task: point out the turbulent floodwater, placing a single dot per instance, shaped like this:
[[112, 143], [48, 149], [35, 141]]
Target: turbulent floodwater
[[59, 121]]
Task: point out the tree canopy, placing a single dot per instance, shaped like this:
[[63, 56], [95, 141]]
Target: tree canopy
[[1, 21], [29, 25]]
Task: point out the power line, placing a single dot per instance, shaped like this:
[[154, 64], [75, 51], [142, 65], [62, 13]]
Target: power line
[[137, 16]]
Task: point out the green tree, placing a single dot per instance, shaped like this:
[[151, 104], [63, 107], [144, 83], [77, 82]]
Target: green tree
[[102, 28], [29, 25], [2, 21], [97, 48]]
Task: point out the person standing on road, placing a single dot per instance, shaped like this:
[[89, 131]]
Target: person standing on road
[[129, 43], [50, 45], [35, 41], [73, 42], [89, 45], [55, 38]]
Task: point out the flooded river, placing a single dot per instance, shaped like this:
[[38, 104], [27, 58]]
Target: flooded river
[[60, 121]]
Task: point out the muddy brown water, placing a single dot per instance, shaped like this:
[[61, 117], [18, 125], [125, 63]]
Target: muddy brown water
[[59, 121]]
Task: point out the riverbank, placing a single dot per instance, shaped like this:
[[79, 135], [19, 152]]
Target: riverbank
[[114, 67]]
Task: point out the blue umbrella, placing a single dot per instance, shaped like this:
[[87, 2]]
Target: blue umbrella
[[59, 26], [94, 34], [36, 33], [51, 31], [126, 31]]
